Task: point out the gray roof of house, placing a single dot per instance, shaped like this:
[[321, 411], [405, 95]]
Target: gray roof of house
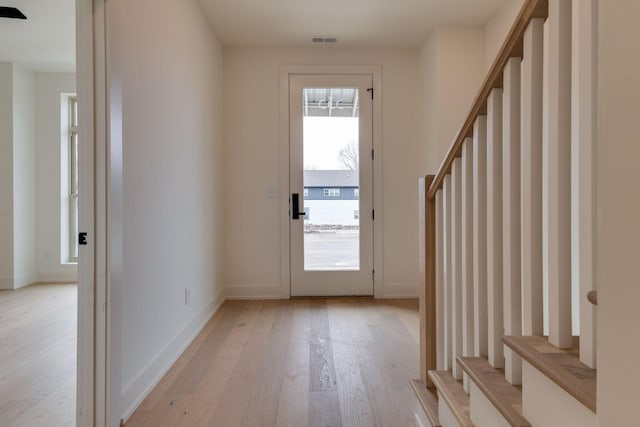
[[331, 178]]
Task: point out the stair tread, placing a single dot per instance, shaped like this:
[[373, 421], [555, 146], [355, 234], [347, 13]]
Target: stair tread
[[561, 366], [451, 390], [428, 399], [506, 397]]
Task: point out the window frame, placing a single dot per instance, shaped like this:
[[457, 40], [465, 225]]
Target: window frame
[[331, 192], [72, 173]]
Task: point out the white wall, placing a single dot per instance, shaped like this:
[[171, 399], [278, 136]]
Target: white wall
[[51, 266], [171, 77], [497, 29], [452, 69], [24, 177], [6, 175], [252, 156], [618, 211]]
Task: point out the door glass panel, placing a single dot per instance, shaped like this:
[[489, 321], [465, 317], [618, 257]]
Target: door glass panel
[[331, 179]]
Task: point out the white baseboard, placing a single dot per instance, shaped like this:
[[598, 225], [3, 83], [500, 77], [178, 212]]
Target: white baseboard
[[140, 387], [23, 281], [276, 291], [266, 291], [396, 290], [6, 283], [58, 276]]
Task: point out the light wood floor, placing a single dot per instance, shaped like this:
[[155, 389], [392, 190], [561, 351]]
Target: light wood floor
[[38, 356], [303, 362]]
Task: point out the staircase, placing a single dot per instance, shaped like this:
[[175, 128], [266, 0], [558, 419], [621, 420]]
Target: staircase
[[508, 314]]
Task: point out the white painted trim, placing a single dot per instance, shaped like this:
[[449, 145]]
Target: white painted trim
[[511, 221], [556, 173], [456, 265], [466, 262], [257, 291], [446, 286], [57, 276], [91, 57], [113, 207], [445, 414], [23, 281], [531, 179], [584, 130], [378, 245], [420, 417], [391, 290], [495, 309], [140, 387], [482, 411], [440, 278], [480, 332], [544, 403]]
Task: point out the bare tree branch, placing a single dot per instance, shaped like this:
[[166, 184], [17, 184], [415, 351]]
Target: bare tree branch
[[348, 156]]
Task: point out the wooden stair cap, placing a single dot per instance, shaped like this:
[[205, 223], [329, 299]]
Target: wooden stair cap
[[505, 397], [563, 367], [428, 399], [453, 393]]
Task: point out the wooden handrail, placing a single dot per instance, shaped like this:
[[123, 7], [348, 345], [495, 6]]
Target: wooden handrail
[[512, 47]]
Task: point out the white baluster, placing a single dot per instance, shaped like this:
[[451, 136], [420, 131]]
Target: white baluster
[[447, 217], [480, 236], [512, 296], [531, 185], [494, 228], [440, 357], [584, 118], [556, 182], [467, 248], [456, 265]]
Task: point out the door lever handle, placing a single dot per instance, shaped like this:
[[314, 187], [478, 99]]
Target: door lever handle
[[295, 206]]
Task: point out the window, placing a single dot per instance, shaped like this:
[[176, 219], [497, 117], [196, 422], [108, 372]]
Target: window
[[306, 193], [331, 192], [356, 214], [307, 214], [356, 192], [73, 179]]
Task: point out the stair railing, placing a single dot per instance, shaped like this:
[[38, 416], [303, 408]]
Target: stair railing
[[507, 222]]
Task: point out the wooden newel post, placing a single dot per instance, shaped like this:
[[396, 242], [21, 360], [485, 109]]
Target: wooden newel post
[[427, 230]]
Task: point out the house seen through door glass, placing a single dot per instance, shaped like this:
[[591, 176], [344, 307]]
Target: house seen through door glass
[[331, 179]]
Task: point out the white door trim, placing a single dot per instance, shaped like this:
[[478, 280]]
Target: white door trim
[[91, 400], [285, 72]]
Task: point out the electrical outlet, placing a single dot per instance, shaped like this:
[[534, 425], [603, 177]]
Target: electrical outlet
[[187, 296]]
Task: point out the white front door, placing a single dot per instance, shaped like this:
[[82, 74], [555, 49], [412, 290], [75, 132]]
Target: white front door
[[331, 180]]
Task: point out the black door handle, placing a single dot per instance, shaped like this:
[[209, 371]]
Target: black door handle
[[295, 206]]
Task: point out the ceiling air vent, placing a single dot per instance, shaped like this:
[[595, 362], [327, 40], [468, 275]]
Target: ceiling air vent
[[324, 39], [11, 12]]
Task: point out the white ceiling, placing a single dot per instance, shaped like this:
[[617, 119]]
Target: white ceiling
[[46, 40], [357, 23], [43, 42]]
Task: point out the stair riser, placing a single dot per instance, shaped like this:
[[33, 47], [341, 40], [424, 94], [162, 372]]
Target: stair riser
[[446, 417], [544, 403], [421, 418], [482, 411]]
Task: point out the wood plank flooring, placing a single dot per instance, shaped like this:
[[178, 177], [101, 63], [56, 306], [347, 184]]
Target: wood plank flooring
[[300, 362], [38, 356]]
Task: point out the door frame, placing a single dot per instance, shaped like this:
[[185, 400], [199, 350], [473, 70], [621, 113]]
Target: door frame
[[97, 372], [285, 236]]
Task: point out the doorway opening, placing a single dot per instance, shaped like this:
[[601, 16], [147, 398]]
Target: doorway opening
[[331, 183]]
